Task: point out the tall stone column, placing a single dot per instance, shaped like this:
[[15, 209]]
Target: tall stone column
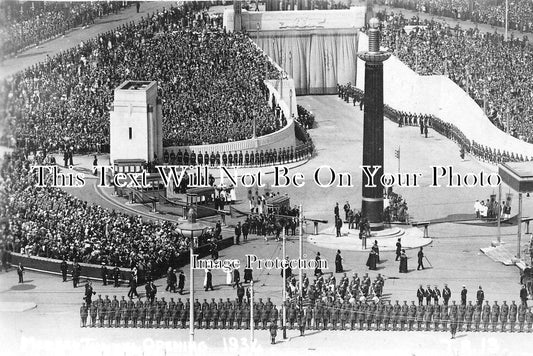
[[372, 204]]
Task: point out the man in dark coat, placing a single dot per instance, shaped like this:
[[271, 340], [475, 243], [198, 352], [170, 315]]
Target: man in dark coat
[[181, 282], [116, 276], [236, 278], [398, 249], [273, 327], [64, 269], [240, 292], [403, 262], [372, 260], [209, 281], [338, 262], [420, 259], [103, 273]]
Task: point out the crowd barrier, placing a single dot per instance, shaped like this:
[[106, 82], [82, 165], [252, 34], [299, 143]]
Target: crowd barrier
[[93, 272]]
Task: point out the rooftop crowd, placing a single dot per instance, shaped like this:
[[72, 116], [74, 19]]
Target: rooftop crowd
[[210, 84], [24, 25], [495, 73], [490, 12]]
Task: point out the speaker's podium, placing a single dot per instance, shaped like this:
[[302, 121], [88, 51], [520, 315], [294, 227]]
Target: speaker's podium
[[136, 133]]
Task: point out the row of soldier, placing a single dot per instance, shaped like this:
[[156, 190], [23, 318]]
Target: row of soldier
[[319, 316], [257, 158], [347, 92]]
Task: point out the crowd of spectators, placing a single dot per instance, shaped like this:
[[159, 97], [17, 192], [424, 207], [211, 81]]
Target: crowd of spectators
[[495, 73], [210, 84], [305, 118], [491, 12], [29, 23], [49, 222]]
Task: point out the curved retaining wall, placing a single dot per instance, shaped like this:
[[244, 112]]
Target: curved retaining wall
[[283, 138]]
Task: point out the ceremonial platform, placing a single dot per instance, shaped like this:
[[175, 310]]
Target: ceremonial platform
[[412, 238]]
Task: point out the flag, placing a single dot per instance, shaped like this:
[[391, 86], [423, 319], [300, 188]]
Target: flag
[[397, 153]]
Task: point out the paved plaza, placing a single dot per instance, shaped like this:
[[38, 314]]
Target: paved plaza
[[41, 316]]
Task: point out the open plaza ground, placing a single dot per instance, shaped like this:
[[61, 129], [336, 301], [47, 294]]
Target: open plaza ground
[[52, 326]]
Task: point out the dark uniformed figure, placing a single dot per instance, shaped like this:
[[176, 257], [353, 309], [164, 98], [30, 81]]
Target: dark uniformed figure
[[134, 313], [83, 315], [396, 310], [420, 311], [379, 311], [495, 315], [231, 316], [116, 276], [454, 314], [420, 294], [387, 315], [453, 321], [103, 273], [76, 272], [175, 317], [369, 315], [118, 315], [64, 270], [239, 316], [444, 317], [464, 293], [184, 317], [469, 313], [485, 316], [436, 315], [529, 320], [143, 310], [477, 317], [111, 314], [412, 315], [274, 315], [93, 312], [308, 316], [446, 294], [404, 314], [102, 314], [301, 321], [361, 314], [292, 316], [428, 315], [461, 315], [273, 327], [504, 315], [522, 310], [215, 315], [513, 312]]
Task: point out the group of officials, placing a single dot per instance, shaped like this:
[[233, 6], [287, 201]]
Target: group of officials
[[373, 315]]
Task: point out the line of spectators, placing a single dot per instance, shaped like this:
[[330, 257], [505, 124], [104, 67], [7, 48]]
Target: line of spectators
[[491, 12], [22, 25], [210, 85]]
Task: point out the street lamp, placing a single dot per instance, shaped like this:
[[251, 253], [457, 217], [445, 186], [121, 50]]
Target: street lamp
[[194, 230]]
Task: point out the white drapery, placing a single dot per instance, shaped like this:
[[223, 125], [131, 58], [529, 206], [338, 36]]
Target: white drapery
[[316, 59]]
